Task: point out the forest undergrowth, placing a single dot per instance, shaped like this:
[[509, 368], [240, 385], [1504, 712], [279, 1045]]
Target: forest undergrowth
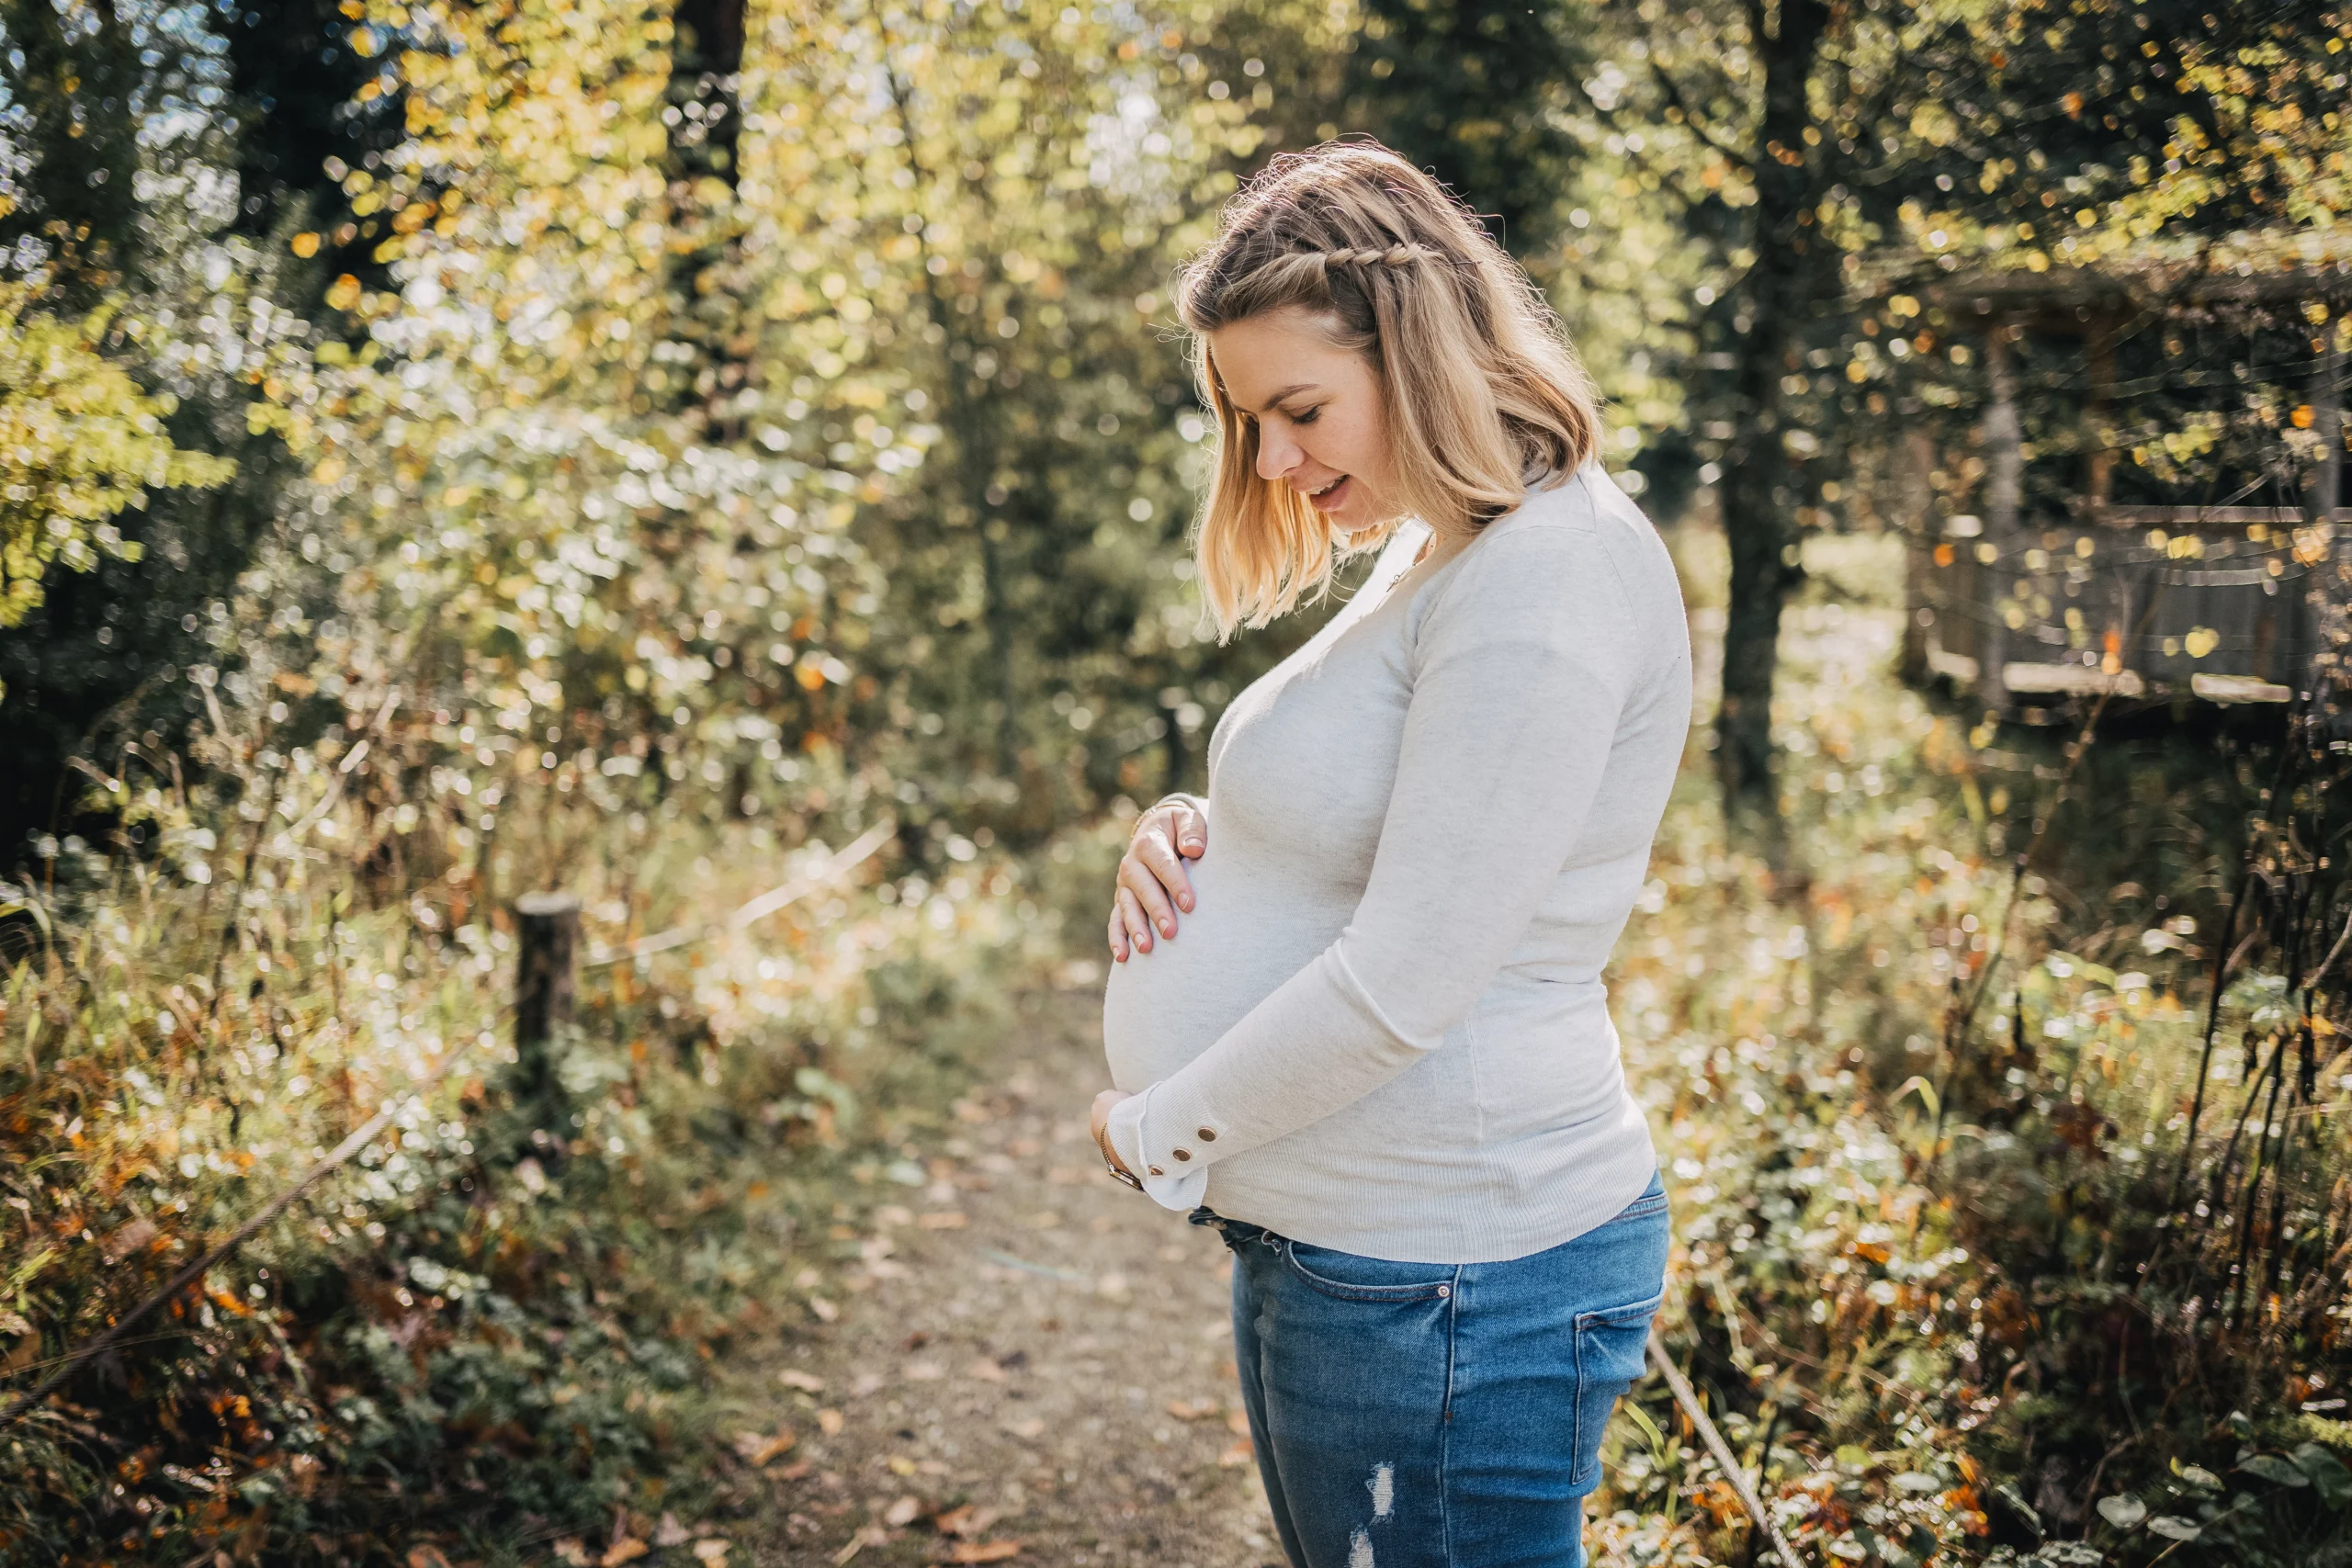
[[479, 1339], [1949, 1271]]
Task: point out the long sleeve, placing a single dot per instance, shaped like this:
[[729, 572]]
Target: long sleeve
[[1520, 669]]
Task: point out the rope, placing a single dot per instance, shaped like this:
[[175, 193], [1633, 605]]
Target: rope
[[858, 850], [351, 1145], [1689, 1400]]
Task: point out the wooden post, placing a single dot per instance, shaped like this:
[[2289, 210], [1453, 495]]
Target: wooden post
[[2004, 498], [1918, 502], [547, 928], [2325, 493], [2098, 467]]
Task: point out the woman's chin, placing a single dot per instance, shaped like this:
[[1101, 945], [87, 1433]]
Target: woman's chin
[[1352, 530]]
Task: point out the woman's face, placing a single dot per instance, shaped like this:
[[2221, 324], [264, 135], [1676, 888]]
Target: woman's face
[[1317, 407]]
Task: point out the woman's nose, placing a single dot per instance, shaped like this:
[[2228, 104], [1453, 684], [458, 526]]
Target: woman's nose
[[1277, 454]]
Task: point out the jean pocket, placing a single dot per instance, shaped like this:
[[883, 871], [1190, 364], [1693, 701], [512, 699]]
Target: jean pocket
[[1352, 1278], [1609, 1346]]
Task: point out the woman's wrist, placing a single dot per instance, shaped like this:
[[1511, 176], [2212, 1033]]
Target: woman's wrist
[[1111, 1159]]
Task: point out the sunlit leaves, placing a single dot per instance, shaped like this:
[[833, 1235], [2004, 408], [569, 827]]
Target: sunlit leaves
[[80, 444]]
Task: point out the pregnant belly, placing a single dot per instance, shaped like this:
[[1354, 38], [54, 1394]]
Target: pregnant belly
[[1246, 935]]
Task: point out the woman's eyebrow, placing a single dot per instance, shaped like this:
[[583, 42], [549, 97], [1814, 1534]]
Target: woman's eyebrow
[[1292, 390]]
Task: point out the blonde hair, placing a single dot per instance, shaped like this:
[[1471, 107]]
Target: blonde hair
[[1478, 380]]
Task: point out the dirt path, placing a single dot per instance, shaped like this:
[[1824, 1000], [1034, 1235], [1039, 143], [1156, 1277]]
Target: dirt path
[[1025, 1353]]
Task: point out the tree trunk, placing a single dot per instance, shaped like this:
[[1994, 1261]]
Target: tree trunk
[[967, 417], [1758, 495]]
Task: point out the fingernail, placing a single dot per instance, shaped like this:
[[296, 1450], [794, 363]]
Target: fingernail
[[1185, 905], [1168, 927]]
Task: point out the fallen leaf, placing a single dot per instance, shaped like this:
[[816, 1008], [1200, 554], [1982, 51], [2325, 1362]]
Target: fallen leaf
[[1112, 1285], [712, 1553], [858, 1542], [804, 1382], [570, 1551], [1238, 1454], [983, 1551], [757, 1448], [628, 1549], [826, 1312], [793, 1471], [426, 1557], [1191, 1410], [966, 1521], [901, 1465], [129, 1239], [670, 1532], [944, 1220], [925, 1371], [1031, 1427], [985, 1370], [902, 1513], [892, 1214], [830, 1423], [1237, 1421]]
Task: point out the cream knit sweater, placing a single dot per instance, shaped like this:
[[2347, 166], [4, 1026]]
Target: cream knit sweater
[[1383, 1028]]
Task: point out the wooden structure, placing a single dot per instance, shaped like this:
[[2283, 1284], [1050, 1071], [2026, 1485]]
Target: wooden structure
[[2221, 602]]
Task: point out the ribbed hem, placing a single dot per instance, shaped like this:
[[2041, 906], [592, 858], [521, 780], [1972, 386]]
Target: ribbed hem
[[1467, 1208]]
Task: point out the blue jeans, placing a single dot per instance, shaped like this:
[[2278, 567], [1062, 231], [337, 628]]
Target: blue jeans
[[1426, 1415]]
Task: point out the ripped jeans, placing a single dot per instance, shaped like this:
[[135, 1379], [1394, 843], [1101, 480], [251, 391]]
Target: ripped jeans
[[1428, 1414]]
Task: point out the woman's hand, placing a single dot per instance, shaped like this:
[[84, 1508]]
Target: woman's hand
[[1101, 1119], [1152, 884]]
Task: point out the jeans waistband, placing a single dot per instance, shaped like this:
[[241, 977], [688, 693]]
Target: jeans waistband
[[1236, 1233]]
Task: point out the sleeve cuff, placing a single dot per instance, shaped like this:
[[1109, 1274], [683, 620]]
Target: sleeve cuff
[[1179, 1191]]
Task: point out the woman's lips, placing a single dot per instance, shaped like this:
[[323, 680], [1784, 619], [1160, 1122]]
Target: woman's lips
[[1331, 498]]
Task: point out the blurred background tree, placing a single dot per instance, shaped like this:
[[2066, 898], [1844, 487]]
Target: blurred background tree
[[122, 198]]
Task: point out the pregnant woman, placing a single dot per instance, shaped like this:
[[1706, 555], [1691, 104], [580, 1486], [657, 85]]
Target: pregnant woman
[[1378, 1057]]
